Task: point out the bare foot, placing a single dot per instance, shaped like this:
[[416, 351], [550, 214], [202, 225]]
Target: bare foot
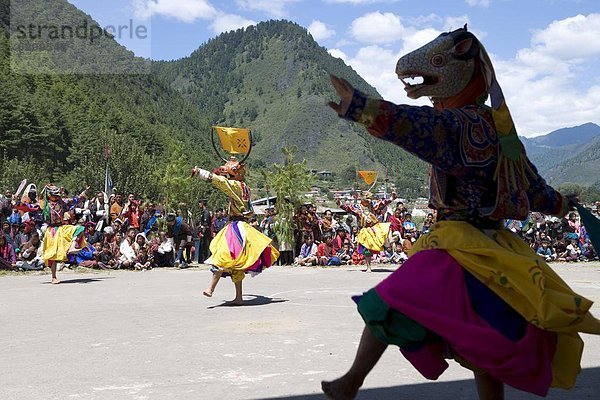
[[340, 389], [235, 303], [55, 281], [207, 293]]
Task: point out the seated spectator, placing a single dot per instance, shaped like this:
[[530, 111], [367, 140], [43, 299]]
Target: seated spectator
[[427, 224], [588, 251], [545, 251], [128, 250], [163, 251], [325, 251], [30, 258], [91, 234], [573, 252], [143, 260], [341, 238], [409, 226], [106, 257], [345, 254], [7, 233], [399, 256], [407, 243], [308, 253], [8, 259]]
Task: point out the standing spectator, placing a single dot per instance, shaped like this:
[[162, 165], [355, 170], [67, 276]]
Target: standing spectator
[[396, 220], [131, 212], [203, 233], [328, 225], [116, 209], [5, 205], [313, 220], [99, 208], [181, 233], [268, 222], [219, 221]]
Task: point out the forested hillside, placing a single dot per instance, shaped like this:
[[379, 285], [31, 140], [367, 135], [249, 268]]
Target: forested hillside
[[568, 155], [57, 125], [274, 79]]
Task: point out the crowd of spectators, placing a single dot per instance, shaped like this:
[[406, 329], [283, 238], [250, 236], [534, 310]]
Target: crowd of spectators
[[125, 232]]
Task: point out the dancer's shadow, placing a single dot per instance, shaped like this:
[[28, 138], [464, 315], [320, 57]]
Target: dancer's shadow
[[80, 280], [585, 388], [256, 300]]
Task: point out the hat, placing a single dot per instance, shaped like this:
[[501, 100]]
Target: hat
[[118, 221], [170, 217], [202, 201], [109, 230]]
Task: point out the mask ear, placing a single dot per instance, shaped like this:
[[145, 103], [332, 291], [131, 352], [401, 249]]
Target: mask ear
[[466, 49]]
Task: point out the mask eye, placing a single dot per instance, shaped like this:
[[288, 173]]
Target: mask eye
[[438, 60]]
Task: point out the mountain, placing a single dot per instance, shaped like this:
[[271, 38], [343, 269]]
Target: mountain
[[274, 79], [57, 121], [568, 155]]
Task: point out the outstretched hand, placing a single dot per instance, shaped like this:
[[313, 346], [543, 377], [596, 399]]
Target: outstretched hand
[[345, 90]]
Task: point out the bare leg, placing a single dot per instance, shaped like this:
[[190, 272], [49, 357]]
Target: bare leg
[[368, 261], [239, 300], [368, 354], [488, 388], [213, 284], [52, 265]]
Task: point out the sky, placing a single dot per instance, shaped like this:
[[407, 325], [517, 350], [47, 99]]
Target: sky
[[546, 53]]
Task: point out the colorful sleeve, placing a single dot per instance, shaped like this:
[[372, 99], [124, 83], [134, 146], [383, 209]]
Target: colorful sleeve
[[542, 197], [433, 136], [228, 187], [349, 209]]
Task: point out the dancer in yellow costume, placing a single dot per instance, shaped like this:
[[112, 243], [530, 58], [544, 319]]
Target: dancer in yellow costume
[[373, 234], [238, 248]]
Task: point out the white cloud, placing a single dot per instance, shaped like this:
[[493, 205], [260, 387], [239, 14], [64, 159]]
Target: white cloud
[[183, 10], [377, 28], [229, 22], [274, 8], [480, 3], [570, 38], [320, 31], [337, 53], [545, 85]]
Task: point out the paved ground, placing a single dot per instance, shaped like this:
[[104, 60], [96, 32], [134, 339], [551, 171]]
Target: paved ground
[[151, 335]]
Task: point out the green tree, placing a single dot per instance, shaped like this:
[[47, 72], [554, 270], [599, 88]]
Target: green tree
[[289, 181]]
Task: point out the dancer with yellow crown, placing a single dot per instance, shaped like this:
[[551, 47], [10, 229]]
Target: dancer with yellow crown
[[373, 234], [238, 248], [470, 290]]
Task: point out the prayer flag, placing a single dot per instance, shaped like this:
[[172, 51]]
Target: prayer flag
[[108, 183], [368, 176], [234, 140]]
